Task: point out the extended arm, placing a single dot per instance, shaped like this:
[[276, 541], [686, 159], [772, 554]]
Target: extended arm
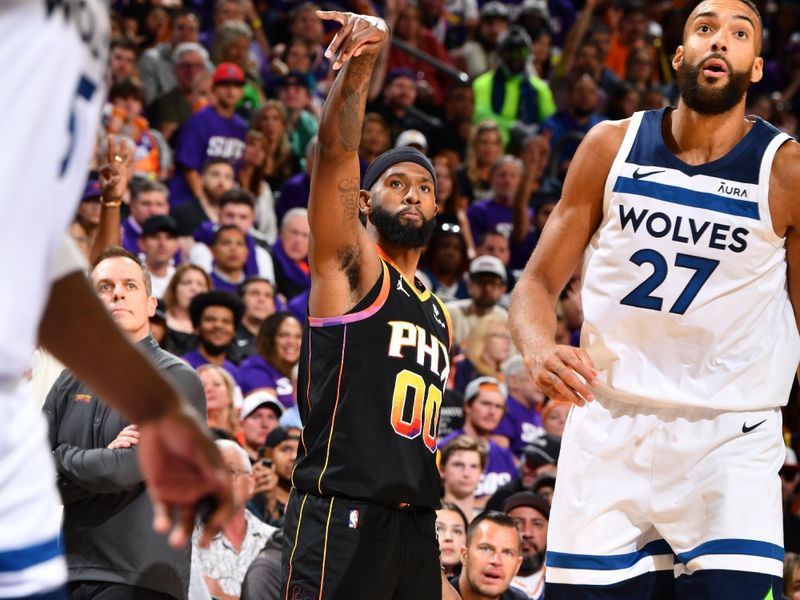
[[568, 231]]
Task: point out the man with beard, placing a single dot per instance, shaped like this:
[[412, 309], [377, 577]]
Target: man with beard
[[530, 514], [689, 222], [360, 523], [486, 285]]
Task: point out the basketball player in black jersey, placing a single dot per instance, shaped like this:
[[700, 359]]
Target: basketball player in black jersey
[[360, 523]]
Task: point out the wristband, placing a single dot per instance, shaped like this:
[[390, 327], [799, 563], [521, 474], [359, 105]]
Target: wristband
[[109, 203]]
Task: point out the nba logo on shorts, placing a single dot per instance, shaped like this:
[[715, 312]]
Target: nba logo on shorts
[[354, 519]]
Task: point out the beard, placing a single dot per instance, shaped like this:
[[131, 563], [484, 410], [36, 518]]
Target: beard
[[396, 232], [531, 563], [213, 349], [711, 101]]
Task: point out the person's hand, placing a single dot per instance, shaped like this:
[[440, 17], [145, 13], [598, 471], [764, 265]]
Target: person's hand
[[536, 154], [360, 34], [265, 478], [116, 173], [126, 438], [184, 473], [556, 370]]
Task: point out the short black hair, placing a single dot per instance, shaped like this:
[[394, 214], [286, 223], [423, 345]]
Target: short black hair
[[125, 43], [201, 302], [222, 229], [120, 252], [254, 279], [125, 89], [237, 196], [493, 516], [217, 161]]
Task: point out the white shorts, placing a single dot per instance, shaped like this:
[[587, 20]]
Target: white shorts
[[642, 490]]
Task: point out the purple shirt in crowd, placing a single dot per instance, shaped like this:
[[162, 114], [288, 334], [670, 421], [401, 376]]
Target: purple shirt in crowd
[[195, 360], [258, 373], [500, 466], [488, 215], [294, 194], [206, 135], [520, 424]]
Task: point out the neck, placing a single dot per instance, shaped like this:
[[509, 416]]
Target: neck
[[236, 529], [232, 273], [252, 324], [447, 279], [214, 360], [219, 418], [466, 504], [210, 205], [226, 112], [405, 258], [159, 269], [503, 199], [467, 592], [470, 429], [480, 311], [697, 139], [252, 451]]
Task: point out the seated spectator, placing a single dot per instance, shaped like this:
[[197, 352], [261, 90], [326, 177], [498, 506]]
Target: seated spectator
[[216, 180], [158, 323], [623, 102], [459, 110], [277, 353], [486, 285], [631, 34], [452, 203], [512, 92], [484, 404], [281, 163], [447, 262], [259, 415], [486, 348], [396, 103], [375, 139], [225, 561], [545, 486], [791, 576], [251, 179], [530, 514], [496, 213], [188, 281], [554, 417], [294, 93], [296, 55], [451, 530], [159, 245], [490, 560], [498, 245], [231, 46], [258, 297], [149, 198], [220, 390], [295, 191], [229, 252], [215, 316], [461, 464], [522, 421], [280, 453], [290, 254], [87, 218], [479, 54], [213, 132], [485, 146], [122, 60]]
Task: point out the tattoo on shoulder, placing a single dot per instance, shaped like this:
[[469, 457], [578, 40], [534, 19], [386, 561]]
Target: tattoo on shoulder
[[348, 193]]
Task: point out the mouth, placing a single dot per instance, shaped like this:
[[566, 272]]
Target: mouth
[[119, 309], [715, 68], [492, 577], [411, 215]]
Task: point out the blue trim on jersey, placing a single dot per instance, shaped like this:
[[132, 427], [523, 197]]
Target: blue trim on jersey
[[738, 165], [564, 560], [23, 558], [687, 197], [734, 546]]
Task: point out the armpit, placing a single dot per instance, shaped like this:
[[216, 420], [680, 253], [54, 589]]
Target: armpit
[[349, 258]]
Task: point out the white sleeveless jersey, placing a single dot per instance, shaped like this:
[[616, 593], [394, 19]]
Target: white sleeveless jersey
[[685, 298]]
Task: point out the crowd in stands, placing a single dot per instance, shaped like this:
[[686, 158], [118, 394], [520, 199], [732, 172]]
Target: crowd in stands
[[218, 102]]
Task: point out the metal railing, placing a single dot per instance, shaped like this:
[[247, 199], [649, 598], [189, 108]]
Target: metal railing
[[448, 70]]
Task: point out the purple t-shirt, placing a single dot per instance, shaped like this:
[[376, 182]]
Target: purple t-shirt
[[206, 134], [500, 466], [488, 215], [195, 360], [520, 424], [294, 194], [258, 373]]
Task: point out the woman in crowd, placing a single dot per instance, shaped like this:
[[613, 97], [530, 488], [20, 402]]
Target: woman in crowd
[[280, 164], [554, 417], [446, 262], [277, 353], [251, 178], [791, 576], [484, 147], [486, 348], [220, 390], [188, 281], [623, 102], [452, 203], [451, 529]]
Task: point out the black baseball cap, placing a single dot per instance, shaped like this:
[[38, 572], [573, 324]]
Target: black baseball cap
[[530, 500], [294, 78], [158, 223], [279, 435]]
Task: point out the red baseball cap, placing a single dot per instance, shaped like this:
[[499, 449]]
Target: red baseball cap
[[229, 73]]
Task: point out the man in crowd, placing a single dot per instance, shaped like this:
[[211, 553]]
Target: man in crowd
[[122, 64], [260, 414], [215, 316], [522, 421], [290, 254], [486, 286], [215, 131], [496, 212], [217, 179], [396, 102], [159, 244], [530, 514], [478, 55], [225, 561], [229, 252], [294, 93], [540, 458], [95, 451], [490, 559], [461, 465], [258, 297], [275, 476], [149, 198]]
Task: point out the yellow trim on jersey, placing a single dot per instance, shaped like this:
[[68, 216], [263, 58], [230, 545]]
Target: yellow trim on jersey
[[423, 296], [325, 550], [294, 547], [333, 416]]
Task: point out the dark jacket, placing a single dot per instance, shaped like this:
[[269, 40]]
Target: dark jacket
[[509, 594], [263, 579], [108, 532]]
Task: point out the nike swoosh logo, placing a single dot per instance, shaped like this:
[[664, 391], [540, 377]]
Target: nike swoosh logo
[[746, 429], [637, 175]]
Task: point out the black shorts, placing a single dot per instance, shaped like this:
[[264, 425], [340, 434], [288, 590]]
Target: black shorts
[[337, 549]]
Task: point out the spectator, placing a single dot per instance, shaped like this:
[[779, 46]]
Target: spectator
[[640, 70], [217, 178], [220, 390], [171, 109], [290, 254], [486, 285], [297, 55], [281, 163], [461, 464], [87, 218], [484, 404], [157, 65], [412, 138], [496, 213], [225, 561], [396, 102], [459, 109], [554, 417], [451, 529], [490, 560], [294, 93], [478, 55], [539, 461], [486, 348], [375, 139], [791, 576], [452, 203], [149, 198], [522, 421], [258, 297], [530, 514], [541, 44], [251, 179], [122, 61], [623, 102], [447, 260], [280, 454], [188, 281], [587, 61], [484, 148], [631, 35], [294, 192], [229, 250], [159, 245], [231, 46], [512, 92], [259, 416], [95, 452], [277, 353], [211, 133], [215, 316]]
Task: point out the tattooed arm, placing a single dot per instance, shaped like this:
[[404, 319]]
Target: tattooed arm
[[343, 260]]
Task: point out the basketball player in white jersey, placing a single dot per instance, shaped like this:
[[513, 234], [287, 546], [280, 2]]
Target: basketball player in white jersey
[[53, 56], [689, 225]]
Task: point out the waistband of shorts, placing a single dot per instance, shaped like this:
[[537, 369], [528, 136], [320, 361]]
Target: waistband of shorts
[[401, 506]]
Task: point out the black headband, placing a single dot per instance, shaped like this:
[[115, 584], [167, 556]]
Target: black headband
[[392, 157]]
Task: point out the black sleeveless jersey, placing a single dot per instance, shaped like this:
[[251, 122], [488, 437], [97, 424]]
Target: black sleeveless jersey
[[370, 388]]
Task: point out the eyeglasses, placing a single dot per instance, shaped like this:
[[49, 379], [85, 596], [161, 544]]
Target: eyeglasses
[[234, 473]]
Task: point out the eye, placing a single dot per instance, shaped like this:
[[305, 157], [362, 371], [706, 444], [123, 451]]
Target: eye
[[509, 553], [742, 35], [704, 29], [131, 286], [396, 183], [425, 188], [103, 287]]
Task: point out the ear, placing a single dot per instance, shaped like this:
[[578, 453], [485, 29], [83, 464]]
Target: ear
[[364, 202], [152, 304], [677, 60], [463, 555], [519, 563], [757, 72]]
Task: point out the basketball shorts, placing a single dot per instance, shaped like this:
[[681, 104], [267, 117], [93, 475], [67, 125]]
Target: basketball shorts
[[341, 549], [667, 503]]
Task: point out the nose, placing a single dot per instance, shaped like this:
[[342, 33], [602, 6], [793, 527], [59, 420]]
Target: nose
[[412, 197], [720, 41], [119, 291]]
